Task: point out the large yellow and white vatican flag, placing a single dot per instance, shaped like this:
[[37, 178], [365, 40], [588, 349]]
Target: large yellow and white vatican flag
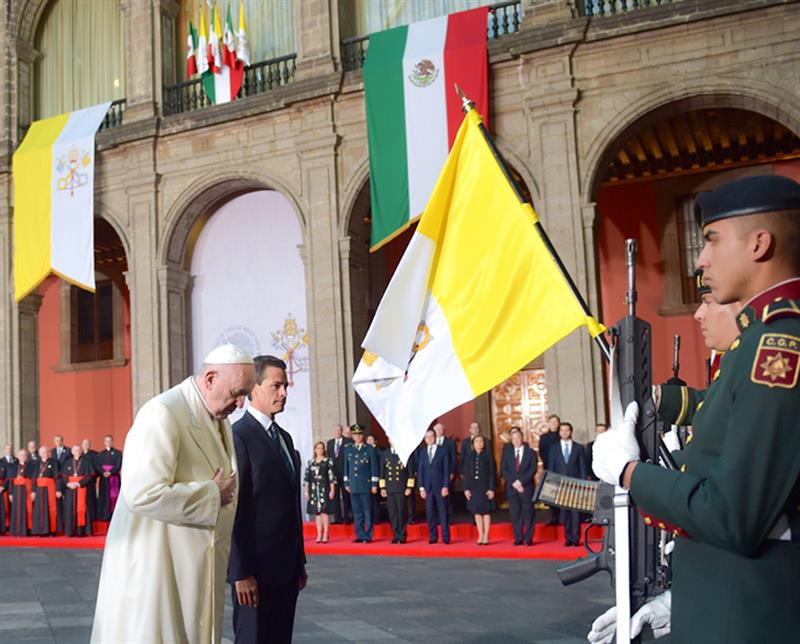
[[53, 171], [476, 297]]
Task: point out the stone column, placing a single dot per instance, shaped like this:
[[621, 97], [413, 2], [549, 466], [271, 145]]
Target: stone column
[[316, 24], [330, 379], [354, 267], [25, 371], [574, 366], [142, 58], [536, 13], [174, 286], [149, 375]]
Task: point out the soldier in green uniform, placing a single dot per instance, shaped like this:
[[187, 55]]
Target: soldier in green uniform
[[737, 496], [361, 481], [396, 484], [677, 404]]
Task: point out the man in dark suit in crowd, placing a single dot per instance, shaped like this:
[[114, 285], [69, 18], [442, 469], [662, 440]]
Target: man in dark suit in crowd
[[433, 478], [267, 563], [466, 445], [518, 467], [448, 444], [546, 442], [342, 512], [59, 453], [568, 458]]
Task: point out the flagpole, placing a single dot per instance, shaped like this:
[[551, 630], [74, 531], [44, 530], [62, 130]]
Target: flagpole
[[467, 106]]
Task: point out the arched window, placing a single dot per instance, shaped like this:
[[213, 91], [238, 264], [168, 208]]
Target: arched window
[[81, 58]]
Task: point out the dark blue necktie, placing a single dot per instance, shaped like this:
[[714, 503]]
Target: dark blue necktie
[[273, 434]]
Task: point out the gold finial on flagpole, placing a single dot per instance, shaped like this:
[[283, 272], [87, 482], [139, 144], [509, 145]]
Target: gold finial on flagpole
[[466, 104]]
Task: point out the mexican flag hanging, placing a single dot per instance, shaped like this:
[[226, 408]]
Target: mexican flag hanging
[[414, 112], [216, 56]]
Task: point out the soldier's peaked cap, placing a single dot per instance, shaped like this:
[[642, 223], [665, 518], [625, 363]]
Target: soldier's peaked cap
[[357, 429], [747, 196]]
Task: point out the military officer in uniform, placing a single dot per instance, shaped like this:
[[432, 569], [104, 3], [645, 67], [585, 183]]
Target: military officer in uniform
[[396, 483], [361, 481], [737, 494]]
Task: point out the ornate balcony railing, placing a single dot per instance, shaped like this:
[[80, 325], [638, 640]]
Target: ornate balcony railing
[[615, 7], [504, 18], [114, 115], [259, 78]]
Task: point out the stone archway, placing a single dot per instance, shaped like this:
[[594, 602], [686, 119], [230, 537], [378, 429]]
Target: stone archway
[[184, 221], [642, 184]]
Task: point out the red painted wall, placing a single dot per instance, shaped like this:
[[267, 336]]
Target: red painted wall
[[79, 404], [629, 211]]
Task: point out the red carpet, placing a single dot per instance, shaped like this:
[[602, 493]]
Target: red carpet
[[548, 543]]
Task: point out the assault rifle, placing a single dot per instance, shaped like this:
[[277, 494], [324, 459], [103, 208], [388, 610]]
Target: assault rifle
[[632, 551]]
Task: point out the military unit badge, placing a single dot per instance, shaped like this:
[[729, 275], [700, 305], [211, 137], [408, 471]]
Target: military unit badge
[[777, 361]]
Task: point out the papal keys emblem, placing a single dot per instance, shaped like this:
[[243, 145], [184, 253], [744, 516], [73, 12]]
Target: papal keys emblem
[[71, 165], [292, 342], [423, 73]]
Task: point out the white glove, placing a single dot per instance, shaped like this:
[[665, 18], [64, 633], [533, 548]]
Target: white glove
[[671, 440], [655, 613], [617, 447]]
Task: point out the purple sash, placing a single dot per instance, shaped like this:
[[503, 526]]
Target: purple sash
[[113, 488]]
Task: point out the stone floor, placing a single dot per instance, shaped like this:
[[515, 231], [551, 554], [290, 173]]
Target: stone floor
[[48, 596]]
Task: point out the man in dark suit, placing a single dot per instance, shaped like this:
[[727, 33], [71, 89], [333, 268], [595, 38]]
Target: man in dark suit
[[466, 445], [599, 428], [342, 512], [568, 458], [433, 478], [518, 467], [60, 454], [547, 441], [267, 562]]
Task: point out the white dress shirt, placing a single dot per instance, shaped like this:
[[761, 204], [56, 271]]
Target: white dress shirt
[[266, 422]]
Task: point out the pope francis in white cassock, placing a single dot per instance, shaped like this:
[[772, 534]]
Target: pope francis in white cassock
[[166, 553]]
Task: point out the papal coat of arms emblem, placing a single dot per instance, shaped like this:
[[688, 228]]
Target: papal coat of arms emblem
[[423, 73], [71, 163], [292, 341]]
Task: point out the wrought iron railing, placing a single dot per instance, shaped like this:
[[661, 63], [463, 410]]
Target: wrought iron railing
[[113, 117], [259, 78], [504, 18], [615, 7]]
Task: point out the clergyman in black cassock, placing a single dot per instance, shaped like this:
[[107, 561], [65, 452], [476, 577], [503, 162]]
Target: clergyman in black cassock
[[78, 479], [20, 490], [108, 465], [46, 491], [5, 505]]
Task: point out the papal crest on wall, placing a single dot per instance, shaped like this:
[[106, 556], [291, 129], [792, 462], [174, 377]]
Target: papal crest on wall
[[292, 342]]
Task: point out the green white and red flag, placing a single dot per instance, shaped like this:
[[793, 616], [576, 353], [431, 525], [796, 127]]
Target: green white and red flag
[[414, 112], [191, 51], [221, 85]]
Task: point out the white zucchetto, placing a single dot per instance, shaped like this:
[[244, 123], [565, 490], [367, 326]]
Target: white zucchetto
[[228, 354]]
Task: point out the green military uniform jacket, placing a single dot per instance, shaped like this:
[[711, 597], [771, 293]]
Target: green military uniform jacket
[[679, 404], [733, 580]]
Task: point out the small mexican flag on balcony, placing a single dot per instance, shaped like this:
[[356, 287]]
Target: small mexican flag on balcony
[[218, 57], [414, 112]]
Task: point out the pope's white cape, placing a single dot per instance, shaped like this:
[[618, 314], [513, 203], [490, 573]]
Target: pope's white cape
[[166, 554]]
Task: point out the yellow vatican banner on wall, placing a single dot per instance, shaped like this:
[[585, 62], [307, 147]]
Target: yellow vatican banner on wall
[[53, 171]]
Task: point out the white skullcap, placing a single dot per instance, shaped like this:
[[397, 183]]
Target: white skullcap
[[228, 354]]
